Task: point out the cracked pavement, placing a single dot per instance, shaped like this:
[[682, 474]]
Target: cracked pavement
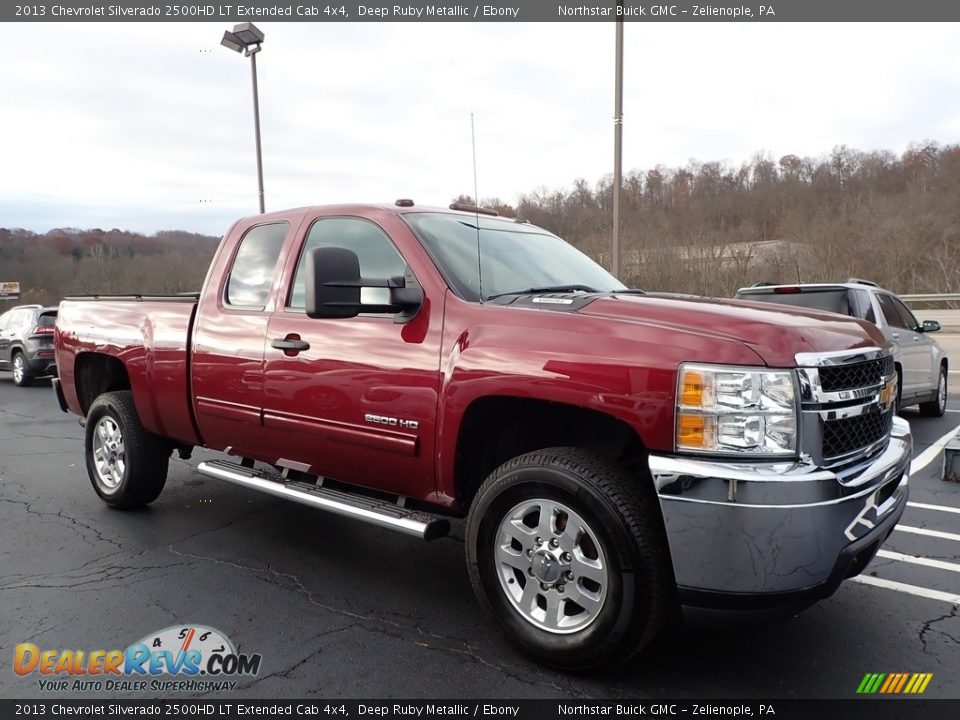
[[343, 610]]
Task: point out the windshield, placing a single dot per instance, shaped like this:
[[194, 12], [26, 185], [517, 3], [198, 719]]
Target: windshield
[[516, 257]]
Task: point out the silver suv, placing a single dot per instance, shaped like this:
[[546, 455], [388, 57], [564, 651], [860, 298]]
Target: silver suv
[[26, 342], [921, 363]]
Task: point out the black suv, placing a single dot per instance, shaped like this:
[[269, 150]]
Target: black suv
[[26, 342]]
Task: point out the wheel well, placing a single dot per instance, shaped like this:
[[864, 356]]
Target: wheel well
[[96, 374], [496, 429]]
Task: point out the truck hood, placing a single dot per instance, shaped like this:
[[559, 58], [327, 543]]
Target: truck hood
[[775, 333]]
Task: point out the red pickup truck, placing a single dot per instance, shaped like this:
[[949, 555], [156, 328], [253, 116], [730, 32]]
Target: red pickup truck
[[616, 454]]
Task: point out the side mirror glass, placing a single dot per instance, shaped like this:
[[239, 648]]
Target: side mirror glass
[[930, 326]]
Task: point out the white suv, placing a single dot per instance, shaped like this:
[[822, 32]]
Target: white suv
[[921, 363]]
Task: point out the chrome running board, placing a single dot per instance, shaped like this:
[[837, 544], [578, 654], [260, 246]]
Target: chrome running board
[[359, 507]]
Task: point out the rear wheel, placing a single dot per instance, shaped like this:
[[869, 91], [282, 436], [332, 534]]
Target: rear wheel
[[21, 373], [569, 555], [127, 464], [938, 406]]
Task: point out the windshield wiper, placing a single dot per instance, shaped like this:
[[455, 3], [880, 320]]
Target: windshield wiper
[[547, 289]]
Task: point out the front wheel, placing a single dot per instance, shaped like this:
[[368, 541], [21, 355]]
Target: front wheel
[[569, 555], [938, 406], [127, 464]]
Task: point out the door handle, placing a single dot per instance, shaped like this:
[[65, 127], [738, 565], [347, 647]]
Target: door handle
[[289, 344], [895, 335]]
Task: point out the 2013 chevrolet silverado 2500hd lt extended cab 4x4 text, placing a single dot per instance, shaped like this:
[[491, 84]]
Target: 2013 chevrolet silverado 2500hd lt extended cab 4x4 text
[[616, 454]]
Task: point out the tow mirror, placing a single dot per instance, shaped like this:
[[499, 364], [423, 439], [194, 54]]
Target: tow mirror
[[333, 288]]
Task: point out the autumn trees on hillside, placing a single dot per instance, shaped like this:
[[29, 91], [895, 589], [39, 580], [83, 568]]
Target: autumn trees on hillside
[[706, 228], [67, 261], [709, 228]]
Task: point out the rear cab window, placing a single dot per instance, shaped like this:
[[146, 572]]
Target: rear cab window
[[254, 265]]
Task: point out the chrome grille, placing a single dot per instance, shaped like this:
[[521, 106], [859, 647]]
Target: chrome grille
[[846, 408], [846, 435], [857, 375]]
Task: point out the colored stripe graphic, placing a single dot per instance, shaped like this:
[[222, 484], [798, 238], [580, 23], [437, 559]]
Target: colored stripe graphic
[[894, 683]]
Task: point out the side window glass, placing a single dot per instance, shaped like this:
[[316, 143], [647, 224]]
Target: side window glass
[[253, 265], [889, 311], [909, 321], [865, 307], [18, 320], [5, 320], [378, 257]]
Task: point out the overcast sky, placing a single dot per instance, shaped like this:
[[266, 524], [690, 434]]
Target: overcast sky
[[150, 126]]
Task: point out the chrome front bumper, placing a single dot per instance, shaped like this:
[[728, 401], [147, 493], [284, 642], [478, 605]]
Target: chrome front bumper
[[771, 531]]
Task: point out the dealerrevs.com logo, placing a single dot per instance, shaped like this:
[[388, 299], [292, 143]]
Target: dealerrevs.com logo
[[196, 657]]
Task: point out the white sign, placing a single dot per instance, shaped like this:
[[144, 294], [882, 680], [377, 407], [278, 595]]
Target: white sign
[[9, 290]]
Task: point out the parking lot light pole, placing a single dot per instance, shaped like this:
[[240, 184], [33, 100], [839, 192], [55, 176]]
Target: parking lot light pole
[[246, 38], [617, 146]]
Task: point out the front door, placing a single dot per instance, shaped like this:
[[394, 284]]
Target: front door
[[911, 353], [354, 399]]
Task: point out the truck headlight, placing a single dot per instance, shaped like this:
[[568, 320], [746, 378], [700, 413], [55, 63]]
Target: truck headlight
[[736, 410]]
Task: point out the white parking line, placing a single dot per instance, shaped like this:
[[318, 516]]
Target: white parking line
[[913, 560], [909, 589], [928, 533], [928, 506], [928, 455]]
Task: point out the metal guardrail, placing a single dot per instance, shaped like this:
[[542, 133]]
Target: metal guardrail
[[933, 298]]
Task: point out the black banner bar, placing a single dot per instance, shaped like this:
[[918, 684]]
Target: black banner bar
[[875, 709], [493, 11]]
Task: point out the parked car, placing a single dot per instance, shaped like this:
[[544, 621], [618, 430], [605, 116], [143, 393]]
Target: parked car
[[615, 455], [26, 342], [922, 366]]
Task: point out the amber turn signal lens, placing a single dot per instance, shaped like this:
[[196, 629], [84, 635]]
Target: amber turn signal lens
[[691, 431], [692, 394]]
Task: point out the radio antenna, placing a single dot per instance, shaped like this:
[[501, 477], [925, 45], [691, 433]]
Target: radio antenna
[[476, 206]]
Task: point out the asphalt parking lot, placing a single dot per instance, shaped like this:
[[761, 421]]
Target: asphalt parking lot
[[339, 609]]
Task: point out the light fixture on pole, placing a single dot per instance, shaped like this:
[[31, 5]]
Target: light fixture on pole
[[246, 38]]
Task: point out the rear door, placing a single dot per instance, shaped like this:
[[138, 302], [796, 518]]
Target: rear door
[[231, 325], [358, 402]]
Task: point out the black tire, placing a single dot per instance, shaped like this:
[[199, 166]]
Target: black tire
[[21, 370], [141, 472], [623, 520], [938, 406]]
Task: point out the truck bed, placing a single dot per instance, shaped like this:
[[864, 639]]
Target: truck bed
[[150, 335]]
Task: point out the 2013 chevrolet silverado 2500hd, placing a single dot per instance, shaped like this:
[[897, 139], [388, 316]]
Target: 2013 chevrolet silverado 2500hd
[[615, 454]]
